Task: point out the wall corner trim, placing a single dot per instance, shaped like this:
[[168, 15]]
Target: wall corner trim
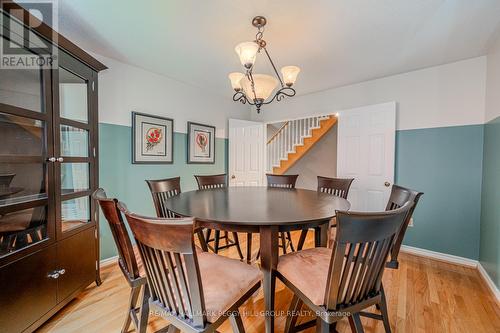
[[459, 261], [489, 282]]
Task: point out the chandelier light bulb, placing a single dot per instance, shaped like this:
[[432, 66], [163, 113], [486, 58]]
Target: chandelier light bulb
[[290, 74], [235, 78], [263, 84], [247, 51]]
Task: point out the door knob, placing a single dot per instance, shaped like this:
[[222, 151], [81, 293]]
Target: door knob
[[60, 159], [233, 177], [52, 159], [387, 184], [54, 275]]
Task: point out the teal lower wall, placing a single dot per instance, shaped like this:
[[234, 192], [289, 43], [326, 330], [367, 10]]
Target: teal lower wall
[[489, 254], [446, 164], [124, 180]]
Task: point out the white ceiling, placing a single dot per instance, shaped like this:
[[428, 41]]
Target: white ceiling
[[335, 42]]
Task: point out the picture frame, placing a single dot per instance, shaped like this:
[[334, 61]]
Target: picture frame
[[152, 139], [200, 143]]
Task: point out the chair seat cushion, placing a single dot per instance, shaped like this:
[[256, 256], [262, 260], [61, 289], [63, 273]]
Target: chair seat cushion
[[224, 282], [307, 270]]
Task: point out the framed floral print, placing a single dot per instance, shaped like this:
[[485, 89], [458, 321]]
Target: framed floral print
[[201, 144], [152, 139]]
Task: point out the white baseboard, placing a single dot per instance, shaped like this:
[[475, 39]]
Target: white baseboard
[[415, 251], [440, 256], [456, 260], [489, 282], [108, 261]]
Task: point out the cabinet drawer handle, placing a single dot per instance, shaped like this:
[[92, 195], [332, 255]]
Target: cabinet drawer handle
[[56, 274]]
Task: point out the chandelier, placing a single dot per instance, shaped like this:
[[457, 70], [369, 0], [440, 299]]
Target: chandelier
[[256, 89]]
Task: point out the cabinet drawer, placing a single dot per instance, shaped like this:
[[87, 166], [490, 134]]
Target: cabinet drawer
[[27, 293], [77, 256]]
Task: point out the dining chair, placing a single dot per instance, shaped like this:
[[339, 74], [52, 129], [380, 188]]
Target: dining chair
[[161, 190], [334, 186], [128, 263], [209, 182], [347, 279], [283, 181], [399, 197], [195, 292]]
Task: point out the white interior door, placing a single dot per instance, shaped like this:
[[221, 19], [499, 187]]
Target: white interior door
[[246, 142], [365, 152]]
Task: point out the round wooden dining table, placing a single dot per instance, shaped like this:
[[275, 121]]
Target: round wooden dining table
[[262, 210]]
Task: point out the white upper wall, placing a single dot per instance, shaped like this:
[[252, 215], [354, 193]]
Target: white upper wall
[[493, 82], [447, 95], [124, 88]]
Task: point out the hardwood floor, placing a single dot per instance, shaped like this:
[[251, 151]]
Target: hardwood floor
[[423, 296]]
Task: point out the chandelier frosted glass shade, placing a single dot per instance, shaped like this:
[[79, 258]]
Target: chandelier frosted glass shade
[[260, 89], [247, 51], [235, 78], [264, 86], [290, 74]]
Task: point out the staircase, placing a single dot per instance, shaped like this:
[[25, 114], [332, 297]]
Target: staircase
[[293, 140]]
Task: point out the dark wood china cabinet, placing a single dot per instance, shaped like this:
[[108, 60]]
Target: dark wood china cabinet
[[49, 249]]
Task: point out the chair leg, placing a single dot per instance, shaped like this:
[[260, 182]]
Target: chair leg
[[201, 239], [289, 236], [217, 240], [384, 312], [134, 295], [236, 322], [293, 314], [283, 241], [237, 244], [208, 240], [249, 247], [355, 323], [302, 239], [322, 326], [144, 310]]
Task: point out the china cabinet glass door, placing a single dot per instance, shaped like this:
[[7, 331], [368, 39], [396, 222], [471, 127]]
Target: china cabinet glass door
[[75, 168], [26, 190]]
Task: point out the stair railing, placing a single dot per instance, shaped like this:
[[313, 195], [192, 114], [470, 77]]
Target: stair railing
[[286, 139]]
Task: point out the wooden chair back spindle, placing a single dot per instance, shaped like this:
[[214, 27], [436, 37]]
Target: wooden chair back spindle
[[127, 260], [361, 247], [211, 181], [171, 265], [161, 190], [281, 181], [335, 186]]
